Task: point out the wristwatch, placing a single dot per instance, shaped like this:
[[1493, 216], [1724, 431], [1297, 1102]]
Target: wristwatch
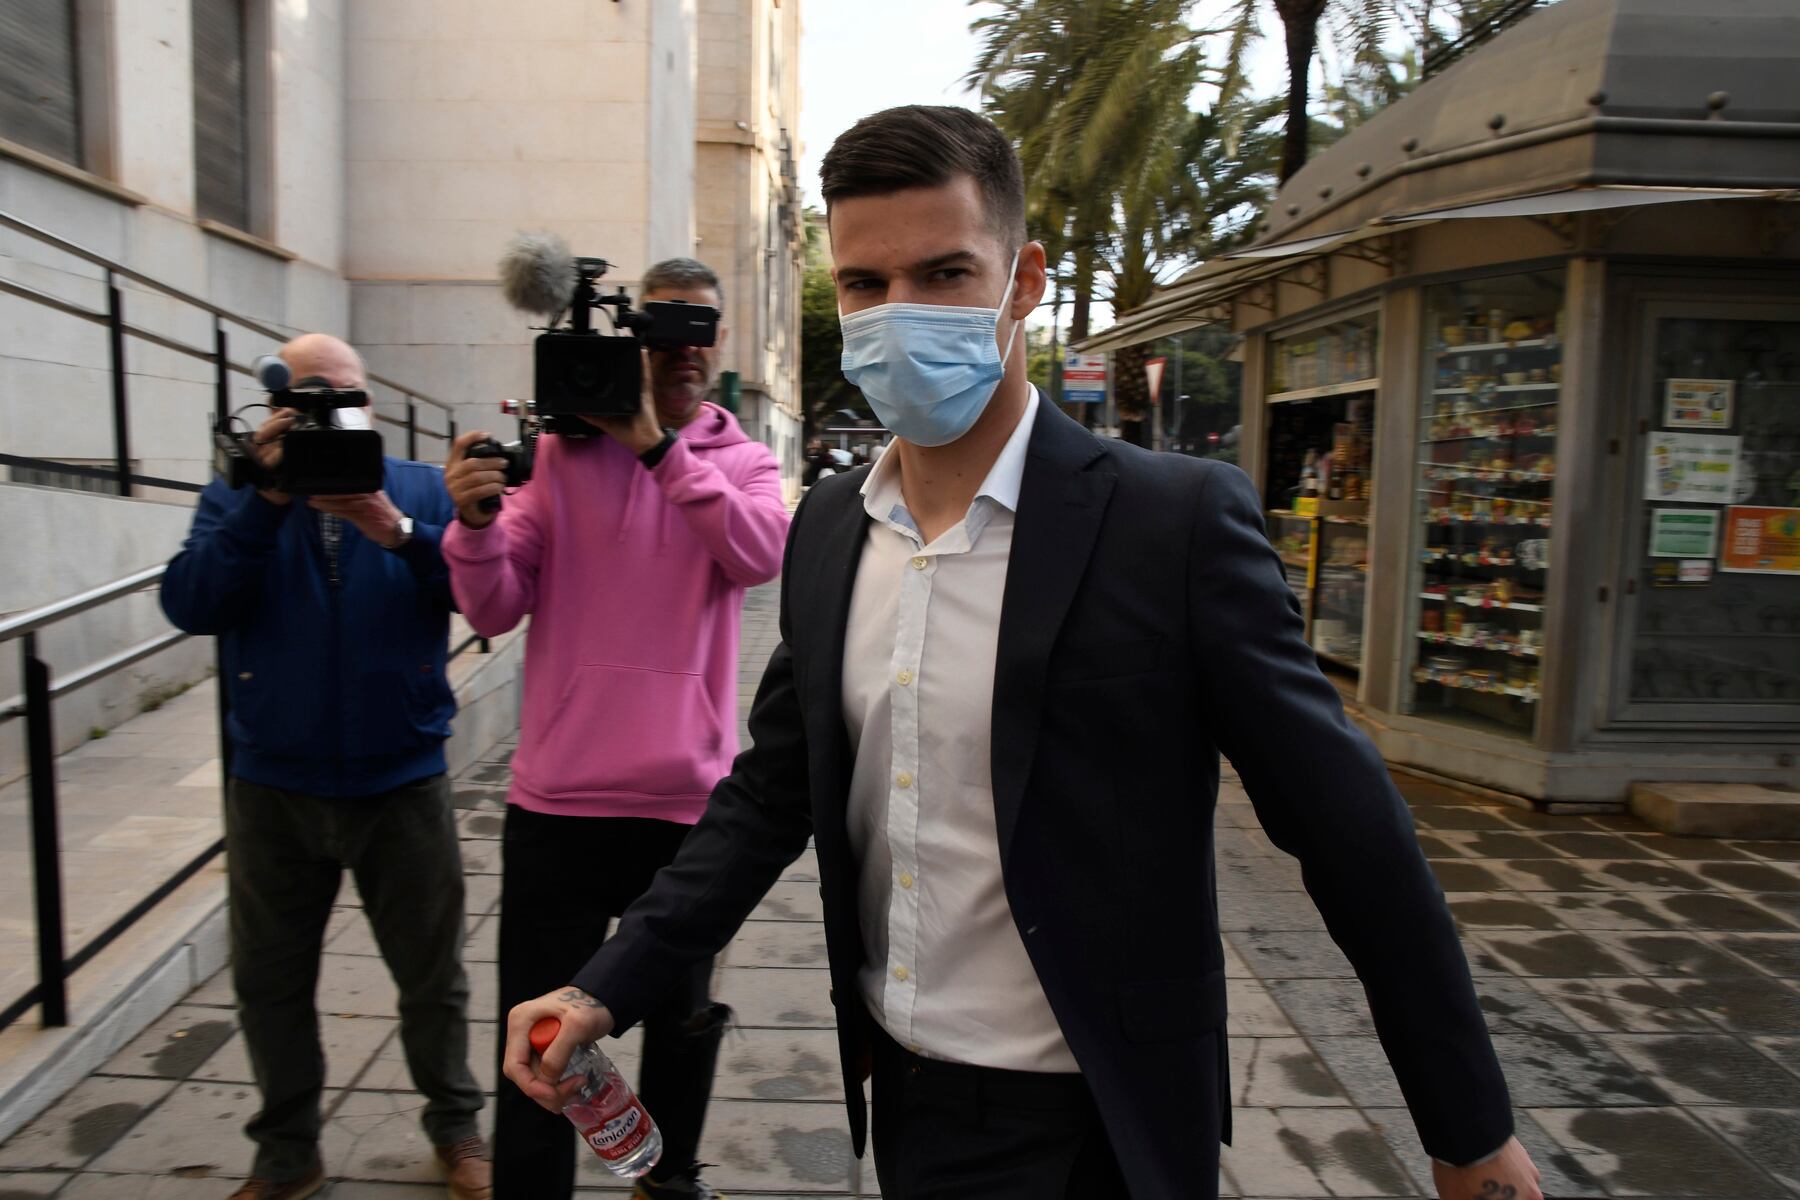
[[405, 527]]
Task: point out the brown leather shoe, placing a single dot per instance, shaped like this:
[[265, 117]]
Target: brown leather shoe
[[467, 1169], [292, 1189]]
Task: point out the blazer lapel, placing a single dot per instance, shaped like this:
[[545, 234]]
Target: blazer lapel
[[1061, 502], [841, 547]]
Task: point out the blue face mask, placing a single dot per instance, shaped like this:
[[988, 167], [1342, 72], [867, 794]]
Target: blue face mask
[[928, 370]]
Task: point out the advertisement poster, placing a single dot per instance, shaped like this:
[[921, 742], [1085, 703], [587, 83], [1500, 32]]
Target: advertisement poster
[[1691, 468], [1698, 403], [1762, 541], [1686, 572], [1684, 532], [1084, 379]]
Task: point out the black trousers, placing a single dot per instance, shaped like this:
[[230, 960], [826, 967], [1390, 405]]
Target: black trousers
[[947, 1131], [286, 854], [564, 880]]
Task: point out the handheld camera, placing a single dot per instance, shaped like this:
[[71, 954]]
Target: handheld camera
[[318, 458]]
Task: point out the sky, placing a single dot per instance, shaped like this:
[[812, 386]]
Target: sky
[[861, 56]]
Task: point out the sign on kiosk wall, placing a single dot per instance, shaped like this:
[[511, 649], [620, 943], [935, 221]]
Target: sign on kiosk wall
[[1153, 371], [1698, 403], [1761, 541], [1691, 468], [1084, 379]]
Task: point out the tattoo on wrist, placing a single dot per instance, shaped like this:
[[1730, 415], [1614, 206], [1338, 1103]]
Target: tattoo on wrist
[[579, 999], [1493, 1189]]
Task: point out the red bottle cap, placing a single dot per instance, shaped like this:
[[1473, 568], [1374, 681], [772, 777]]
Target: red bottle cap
[[544, 1032]]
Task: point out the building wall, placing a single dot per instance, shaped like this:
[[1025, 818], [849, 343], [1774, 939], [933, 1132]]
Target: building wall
[[469, 122], [748, 205]]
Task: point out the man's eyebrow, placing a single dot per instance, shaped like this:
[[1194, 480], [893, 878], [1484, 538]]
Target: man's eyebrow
[[930, 264]]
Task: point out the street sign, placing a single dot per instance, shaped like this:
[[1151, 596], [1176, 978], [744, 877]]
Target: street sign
[[1153, 369], [1084, 379]]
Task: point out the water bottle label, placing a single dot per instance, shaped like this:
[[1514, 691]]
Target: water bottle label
[[619, 1136]]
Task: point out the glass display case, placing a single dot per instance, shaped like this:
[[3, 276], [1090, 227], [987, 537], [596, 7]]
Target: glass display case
[[1296, 539], [1321, 421], [1486, 469]]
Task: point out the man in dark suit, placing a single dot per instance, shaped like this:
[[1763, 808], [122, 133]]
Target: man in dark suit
[[1011, 656]]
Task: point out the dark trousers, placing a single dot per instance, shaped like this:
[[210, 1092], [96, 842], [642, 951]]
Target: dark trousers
[[948, 1131], [564, 880], [286, 855]]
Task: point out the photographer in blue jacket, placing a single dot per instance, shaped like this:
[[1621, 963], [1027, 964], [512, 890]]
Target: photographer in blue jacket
[[332, 614]]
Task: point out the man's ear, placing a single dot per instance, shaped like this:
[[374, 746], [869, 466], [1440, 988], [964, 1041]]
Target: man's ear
[[724, 336], [1030, 281]]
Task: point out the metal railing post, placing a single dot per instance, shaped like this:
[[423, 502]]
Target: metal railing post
[[115, 336], [222, 378], [46, 849], [412, 430]]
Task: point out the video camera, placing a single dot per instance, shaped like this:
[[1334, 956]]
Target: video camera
[[318, 456], [578, 372]]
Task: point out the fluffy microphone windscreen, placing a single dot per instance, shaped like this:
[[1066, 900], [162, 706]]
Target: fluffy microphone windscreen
[[537, 273]]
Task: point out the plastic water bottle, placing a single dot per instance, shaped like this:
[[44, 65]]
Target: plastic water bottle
[[610, 1117]]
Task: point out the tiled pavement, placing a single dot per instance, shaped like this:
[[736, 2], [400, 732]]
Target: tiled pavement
[[1644, 993]]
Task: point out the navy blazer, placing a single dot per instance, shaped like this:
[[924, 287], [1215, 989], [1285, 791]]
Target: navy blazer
[[1145, 629]]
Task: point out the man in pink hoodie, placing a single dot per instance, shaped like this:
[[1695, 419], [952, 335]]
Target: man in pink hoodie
[[631, 551]]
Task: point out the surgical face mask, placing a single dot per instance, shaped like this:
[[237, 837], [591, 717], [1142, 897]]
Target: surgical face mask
[[928, 370]]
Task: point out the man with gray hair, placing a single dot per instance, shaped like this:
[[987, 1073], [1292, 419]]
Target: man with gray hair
[[333, 614], [631, 553]]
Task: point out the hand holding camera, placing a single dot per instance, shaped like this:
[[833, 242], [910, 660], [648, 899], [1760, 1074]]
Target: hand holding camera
[[641, 430], [266, 449], [475, 477]]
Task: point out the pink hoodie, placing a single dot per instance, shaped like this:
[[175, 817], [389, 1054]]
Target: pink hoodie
[[635, 581]]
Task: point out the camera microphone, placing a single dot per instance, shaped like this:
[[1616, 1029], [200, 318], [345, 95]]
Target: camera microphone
[[537, 273], [272, 373]]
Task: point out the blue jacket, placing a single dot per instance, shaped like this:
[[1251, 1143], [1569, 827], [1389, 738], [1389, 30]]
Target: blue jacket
[[336, 687]]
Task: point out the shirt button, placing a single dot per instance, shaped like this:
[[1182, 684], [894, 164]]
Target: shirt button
[[904, 779], [919, 563], [905, 677], [902, 974]]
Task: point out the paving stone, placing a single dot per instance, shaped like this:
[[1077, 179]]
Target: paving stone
[[778, 944], [216, 992], [481, 894], [349, 1044], [804, 869], [1553, 1070], [1361, 1068], [1253, 1012], [1732, 913], [1771, 850], [1488, 910], [1561, 1174], [1630, 1005], [481, 857], [1243, 912], [377, 1136], [1559, 955], [96, 1186], [385, 1060], [1548, 875], [480, 824], [1312, 1152], [1293, 955], [23, 1185], [197, 1129], [1653, 1152], [771, 998], [1511, 1006], [1647, 874], [482, 949], [1743, 1005], [1440, 845], [782, 1147], [1688, 849], [1594, 845], [1324, 1007], [1250, 875], [1709, 1069], [87, 1122], [175, 1045], [1436, 818], [1276, 1072], [1753, 876], [779, 1064], [1768, 1137], [1601, 911], [1673, 956], [1496, 844], [791, 902]]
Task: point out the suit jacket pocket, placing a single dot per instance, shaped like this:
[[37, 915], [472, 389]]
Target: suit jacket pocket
[[1171, 1010], [1081, 662]]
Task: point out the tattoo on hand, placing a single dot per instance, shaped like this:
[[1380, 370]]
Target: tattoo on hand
[[578, 998], [1498, 1191]]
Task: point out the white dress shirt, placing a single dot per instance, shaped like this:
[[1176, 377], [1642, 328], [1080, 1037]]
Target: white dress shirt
[[947, 974]]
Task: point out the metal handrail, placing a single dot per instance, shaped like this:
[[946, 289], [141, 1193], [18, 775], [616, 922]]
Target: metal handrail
[[54, 965], [123, 272]]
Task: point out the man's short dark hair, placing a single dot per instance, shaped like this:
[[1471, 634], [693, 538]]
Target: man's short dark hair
[[681, 273], [926, 146]]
